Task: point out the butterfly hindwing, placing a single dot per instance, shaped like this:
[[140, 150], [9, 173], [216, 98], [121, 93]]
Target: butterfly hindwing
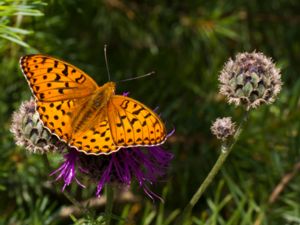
[[134, 124], [95, 140], [56, 116], [53, 80]]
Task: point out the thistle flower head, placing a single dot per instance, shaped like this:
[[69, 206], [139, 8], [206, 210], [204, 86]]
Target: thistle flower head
[[251, 79], [29, 131], [223, 128]]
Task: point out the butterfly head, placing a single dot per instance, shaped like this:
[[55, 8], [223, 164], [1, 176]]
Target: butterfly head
[[109, 88]]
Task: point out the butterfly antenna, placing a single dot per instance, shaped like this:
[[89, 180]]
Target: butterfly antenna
[[106, 62], [138, 77]]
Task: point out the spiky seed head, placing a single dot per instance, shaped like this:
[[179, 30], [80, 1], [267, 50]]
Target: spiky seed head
[[29, 131], [251, 79], [223, 128]]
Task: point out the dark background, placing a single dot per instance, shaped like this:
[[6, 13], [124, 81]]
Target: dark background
[[186, 43]]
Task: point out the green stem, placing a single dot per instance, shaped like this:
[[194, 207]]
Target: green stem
[[109, 202], [74, 201], [225, 151]]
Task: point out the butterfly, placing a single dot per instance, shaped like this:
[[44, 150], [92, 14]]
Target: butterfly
[[88, 117]]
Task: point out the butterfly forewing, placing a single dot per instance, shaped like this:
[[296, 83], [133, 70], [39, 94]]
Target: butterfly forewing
[[53, 80]]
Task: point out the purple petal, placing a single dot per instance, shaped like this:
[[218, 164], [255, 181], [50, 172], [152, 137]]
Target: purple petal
[[171, 133], [104, 179], [67, 171], [145, 165]]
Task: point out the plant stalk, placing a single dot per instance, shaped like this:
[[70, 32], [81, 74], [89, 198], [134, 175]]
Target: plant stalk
[[225, 151], [109, 203]]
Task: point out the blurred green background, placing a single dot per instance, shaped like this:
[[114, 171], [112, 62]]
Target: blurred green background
[[186, 43]]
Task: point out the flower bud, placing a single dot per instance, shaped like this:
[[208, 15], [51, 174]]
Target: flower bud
[[29, 131], [223, 128], [250, 80]]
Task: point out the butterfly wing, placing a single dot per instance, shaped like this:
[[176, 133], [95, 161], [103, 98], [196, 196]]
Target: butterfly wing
[[56, 116], [134, 124], [97, 139], [53, 80], [59, 89]]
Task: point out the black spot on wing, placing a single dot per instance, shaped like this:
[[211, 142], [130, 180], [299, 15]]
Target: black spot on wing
[[136, 112], [124, 104], [103, 134], [149, 114], [57, 78], [65, 71], [80, 79], [44, 60], [120, 141], [133, 121]]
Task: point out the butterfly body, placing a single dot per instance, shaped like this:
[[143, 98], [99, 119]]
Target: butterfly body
[[92, 108], [88, 117]]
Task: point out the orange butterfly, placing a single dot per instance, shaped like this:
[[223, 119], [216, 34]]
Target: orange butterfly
[[90, 118]]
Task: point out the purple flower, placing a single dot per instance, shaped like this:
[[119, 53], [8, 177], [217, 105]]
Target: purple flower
[[145, 165]]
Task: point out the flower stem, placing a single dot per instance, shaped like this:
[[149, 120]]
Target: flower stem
[[74, 201], [225, 151], [109, 202]]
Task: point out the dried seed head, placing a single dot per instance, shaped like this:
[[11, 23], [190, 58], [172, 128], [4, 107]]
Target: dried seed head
[[250, 80], [29, 131], [223, 128]]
